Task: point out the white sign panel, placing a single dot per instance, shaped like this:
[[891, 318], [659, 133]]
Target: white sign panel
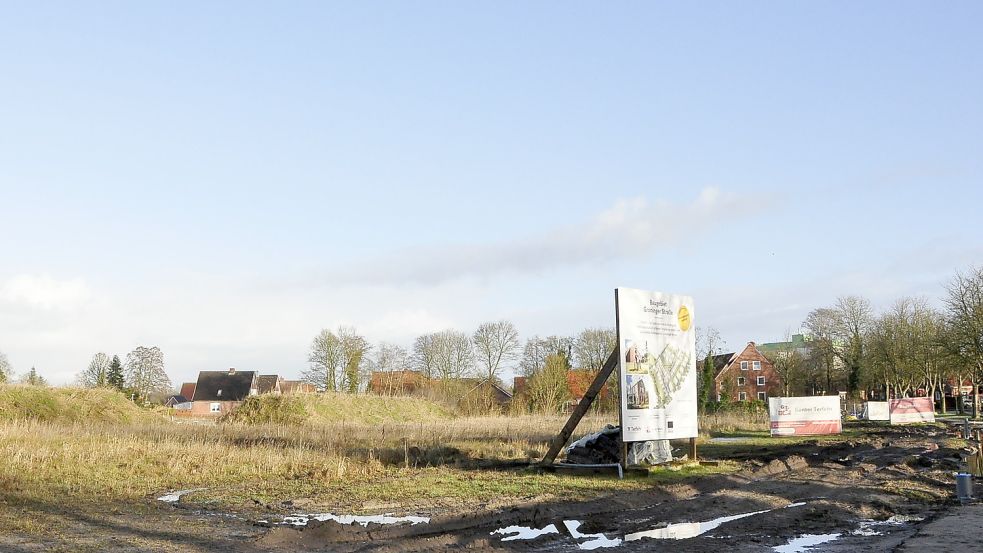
[[805, 416], [912, 409], [877, 411], [657, 365]]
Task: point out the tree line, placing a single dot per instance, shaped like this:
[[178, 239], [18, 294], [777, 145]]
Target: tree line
[[908, 348], [344, 360]]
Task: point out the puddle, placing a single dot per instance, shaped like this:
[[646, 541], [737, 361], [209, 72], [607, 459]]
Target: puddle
[[596, 540], [303, 520], [525, 532], [678, 531], [804, 543], [684, 530], [868, 528], [175, 496]]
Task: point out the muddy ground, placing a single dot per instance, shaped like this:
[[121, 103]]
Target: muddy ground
[[883, 491]]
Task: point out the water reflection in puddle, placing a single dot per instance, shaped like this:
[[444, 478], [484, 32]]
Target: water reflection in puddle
[[804, 542], [596, 540], [683, 530], [525, 532], [303, 520]]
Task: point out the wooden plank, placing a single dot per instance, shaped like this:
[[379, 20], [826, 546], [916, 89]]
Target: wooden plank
[[563, 437]]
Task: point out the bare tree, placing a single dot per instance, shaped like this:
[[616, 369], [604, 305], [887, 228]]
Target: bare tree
[[354, 348], [325, 357], [5, 369], [390, 360], [854, 316], [145, 371], [548, 391], [822, 325], [447, 354], [537, 349], [593, 346], [964, 311], [96, 375], [788, 363], [496, 345]]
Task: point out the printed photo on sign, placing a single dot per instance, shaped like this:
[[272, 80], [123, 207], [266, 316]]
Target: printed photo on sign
[[638, 394]]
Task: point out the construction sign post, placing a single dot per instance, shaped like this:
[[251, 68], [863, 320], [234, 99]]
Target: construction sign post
[[657, 365]]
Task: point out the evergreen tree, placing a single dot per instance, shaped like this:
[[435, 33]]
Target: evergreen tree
[[114, 376], [32, 378]]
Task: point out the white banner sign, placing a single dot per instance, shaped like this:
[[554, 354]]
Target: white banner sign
[[805, 416], [877, 411], [657, 365], [912, 409]]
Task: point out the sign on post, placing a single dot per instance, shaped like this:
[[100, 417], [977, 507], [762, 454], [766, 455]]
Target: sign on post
[[805, 416], [912, 409], [656, 365]]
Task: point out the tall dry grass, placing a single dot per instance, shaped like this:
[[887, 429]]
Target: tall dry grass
[[44, 461]]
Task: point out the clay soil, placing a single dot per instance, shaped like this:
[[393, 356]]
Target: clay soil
[[808, 487]]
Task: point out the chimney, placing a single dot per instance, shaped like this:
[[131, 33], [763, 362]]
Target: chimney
[[232, 370]]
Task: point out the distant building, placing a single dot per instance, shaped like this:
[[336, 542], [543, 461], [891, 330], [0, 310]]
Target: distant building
[[296, 387], [218, 392], [745, 375], [269, 384], [799, 344], [396, 383], [188, 390]]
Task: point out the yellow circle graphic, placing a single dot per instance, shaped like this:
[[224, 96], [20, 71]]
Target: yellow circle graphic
[[684, 319]]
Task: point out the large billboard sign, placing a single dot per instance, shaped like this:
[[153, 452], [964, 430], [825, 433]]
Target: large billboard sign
[[805, 416], [912, 409], [657, 365]]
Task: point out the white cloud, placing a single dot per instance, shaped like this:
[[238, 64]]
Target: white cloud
[[629, 228], [44, 292]]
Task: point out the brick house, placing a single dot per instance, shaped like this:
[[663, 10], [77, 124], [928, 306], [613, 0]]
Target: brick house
[[396, 383], [745, 375], [296, 387], [218, 392]]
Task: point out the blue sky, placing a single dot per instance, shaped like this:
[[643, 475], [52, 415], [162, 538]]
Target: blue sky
[[225, 179]]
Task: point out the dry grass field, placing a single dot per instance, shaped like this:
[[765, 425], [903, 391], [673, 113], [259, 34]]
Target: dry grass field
[[94, 452]]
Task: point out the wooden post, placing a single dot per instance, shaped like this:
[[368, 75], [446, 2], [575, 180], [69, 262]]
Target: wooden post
[[578, 413], [692, 449]]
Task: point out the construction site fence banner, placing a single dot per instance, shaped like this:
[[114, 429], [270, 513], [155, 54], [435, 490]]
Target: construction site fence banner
[[805, 416], [912, 409], [656, 365], [877, 411]]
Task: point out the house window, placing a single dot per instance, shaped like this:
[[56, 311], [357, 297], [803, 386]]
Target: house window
[[216, 407], [743, 365], [742, 396], [762, 396], [740, 380], [756, 365], [761, 381], [219, 393]]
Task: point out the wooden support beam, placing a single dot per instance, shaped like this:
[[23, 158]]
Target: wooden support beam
[[692, 449], [563, 437]]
